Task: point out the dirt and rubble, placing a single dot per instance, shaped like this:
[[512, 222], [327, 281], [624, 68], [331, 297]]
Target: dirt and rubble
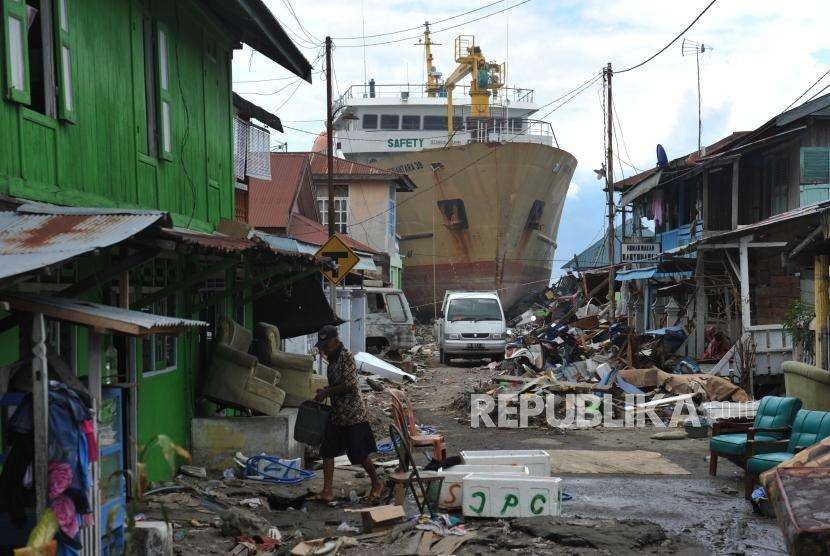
[[609, 513]]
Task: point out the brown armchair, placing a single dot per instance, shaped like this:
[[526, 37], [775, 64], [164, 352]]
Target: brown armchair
[[297, 370], [236, 378]]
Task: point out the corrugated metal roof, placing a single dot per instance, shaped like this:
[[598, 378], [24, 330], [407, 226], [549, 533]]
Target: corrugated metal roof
[[289, 244], [102, 316], [596, 256], [35, 236], [228, 244], [308, 231], [343, 168], [270, 201], [784, 217]]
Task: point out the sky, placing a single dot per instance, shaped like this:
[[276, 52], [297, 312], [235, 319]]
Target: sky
[[760, 56]]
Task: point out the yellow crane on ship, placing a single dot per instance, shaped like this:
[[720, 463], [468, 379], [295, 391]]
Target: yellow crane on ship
[[486, 77]]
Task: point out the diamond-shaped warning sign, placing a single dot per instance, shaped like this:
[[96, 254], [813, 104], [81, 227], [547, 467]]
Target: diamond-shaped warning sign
[[343, 257]]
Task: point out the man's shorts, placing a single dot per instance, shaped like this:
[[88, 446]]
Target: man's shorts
[[356, 441]]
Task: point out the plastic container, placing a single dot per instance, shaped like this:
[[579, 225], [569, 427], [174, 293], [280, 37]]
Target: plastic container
[[310, 427], [451, 489], [537, 461], [500, 496]]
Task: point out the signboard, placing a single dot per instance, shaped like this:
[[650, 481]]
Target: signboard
[[639, 252], [343, 257]]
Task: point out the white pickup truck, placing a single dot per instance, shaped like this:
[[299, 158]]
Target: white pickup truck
[[471, 324]]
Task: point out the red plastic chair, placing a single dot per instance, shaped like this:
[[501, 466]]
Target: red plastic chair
[[405, 420]]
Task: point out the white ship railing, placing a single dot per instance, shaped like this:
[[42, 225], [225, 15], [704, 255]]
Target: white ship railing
[[406, 91]]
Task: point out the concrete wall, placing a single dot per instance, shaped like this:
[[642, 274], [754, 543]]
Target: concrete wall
[[369, 201]]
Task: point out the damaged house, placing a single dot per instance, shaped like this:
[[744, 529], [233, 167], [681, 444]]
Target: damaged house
[[119, 167], [748, 216]]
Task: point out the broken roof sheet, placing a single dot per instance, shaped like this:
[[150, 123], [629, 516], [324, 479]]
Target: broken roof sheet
[[248, 109], [781, 218], [228, 244], [102, 317], [35, 235]]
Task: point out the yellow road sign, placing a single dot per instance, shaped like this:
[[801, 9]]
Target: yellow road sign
[[343, 257]]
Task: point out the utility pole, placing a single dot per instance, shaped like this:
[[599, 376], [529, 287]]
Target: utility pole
[[689, 47], [330, 159], [609, 190]]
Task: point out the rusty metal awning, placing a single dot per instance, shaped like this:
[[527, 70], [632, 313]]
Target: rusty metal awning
[[103, 318], [37, 235]]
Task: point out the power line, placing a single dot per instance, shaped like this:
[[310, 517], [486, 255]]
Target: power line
[[313, 39], [674, 40], [818, 93], [437, 30], [418, 26], [266, 80], [816, 82], [281, 89]]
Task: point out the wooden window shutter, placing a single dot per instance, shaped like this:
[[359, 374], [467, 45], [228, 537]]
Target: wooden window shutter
[[16, 34], [164, 87], [815, 165], [63, 61]]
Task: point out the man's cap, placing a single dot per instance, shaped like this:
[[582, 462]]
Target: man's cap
[[325, 334]]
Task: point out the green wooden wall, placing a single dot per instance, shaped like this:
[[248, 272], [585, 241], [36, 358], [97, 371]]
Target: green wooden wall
[[101, 159]]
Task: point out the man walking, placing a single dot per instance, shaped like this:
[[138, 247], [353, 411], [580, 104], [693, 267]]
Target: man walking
[[348, 429]]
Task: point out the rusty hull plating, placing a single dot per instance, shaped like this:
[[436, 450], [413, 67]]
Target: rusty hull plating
[[492, 213]]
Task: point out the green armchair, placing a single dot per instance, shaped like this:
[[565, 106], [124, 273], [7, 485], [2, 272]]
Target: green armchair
[[772, 422], [810, 384], [809, 427]]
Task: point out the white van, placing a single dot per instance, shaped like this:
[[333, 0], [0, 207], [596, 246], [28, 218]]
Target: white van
[[471, 324]]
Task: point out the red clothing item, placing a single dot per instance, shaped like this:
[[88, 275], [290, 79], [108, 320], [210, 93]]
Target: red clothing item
[[88, 428]]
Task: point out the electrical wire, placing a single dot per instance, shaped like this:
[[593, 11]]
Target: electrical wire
[[627, 162], [818, 93], [281, 89], [816, 82], [674, 40], [418, 26], [311, 37], [437, 30], [265, 80]]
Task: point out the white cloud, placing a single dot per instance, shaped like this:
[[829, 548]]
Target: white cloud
[[762, 54]]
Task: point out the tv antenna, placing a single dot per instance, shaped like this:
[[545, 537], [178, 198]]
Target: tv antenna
[[697, 48]]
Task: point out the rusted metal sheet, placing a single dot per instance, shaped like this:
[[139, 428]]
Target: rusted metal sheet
[[104, 316], [227, 244], [35, 236], [800, 497]]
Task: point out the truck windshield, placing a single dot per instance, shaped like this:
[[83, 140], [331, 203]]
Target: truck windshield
[[474, 309]]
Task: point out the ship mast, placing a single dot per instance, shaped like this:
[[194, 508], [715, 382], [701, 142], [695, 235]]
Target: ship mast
[[433, 76]]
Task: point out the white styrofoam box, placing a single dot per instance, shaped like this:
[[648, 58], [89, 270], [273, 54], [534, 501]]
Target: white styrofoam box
[[451, 487], [537, 461], [488, 495]]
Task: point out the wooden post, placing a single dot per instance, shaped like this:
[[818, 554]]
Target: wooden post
[[40, 407], [735, 191], [609, 191], [94, 377], [746, 321], [820, 265], [131, 405], [700, 304]]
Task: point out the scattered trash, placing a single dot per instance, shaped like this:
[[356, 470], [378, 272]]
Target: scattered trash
[[380, 517], [251, 502], [193, 471], [345, 527], [229, 473], [368, 363]]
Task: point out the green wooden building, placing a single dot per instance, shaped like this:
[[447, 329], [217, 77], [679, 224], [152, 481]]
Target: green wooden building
[[129, 104]]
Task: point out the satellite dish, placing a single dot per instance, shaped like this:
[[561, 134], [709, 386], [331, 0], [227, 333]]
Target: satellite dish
[[662, 159]]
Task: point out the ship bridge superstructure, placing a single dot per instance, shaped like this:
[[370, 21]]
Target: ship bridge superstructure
[[374, 118]]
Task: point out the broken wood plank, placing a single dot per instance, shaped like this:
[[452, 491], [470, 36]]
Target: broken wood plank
[[426, 543], [448, 545], [410, 545]]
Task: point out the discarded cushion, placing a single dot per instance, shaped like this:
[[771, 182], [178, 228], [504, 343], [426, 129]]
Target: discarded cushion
[[735, 444], [762, 462]]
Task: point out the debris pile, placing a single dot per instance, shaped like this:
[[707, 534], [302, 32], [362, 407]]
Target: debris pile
[[562, 345]]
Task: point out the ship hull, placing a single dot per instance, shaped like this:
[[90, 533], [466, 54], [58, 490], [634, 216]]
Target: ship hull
[[484, 217]]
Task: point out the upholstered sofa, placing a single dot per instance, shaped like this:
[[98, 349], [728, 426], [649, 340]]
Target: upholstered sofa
[[810, 384]]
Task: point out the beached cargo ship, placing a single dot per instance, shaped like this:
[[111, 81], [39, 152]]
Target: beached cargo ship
[[491, 180]]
